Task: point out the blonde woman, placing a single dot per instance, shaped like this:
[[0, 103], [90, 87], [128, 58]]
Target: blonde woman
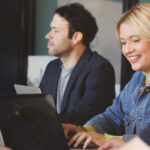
[[130, 112]]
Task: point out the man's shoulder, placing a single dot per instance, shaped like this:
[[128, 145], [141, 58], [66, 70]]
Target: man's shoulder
[[99, 57], [54, 62], [52, 66], [99, 60]]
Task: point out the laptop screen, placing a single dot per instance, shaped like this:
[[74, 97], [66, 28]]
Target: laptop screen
[[29, 122]]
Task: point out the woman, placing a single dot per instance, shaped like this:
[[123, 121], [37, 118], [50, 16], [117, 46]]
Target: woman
[[130, 112]]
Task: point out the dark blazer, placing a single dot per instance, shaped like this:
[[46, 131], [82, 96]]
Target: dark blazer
[[89, 91]]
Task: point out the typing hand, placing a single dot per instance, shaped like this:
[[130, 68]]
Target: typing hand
[[87, 138], [70, 129], [113, 144]]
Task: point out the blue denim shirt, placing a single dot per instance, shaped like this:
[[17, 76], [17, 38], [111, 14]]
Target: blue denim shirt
[[130, 112]]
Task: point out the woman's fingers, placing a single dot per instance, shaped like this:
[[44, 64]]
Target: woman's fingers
[[113, 144], [73, 139], [105, 147], [87, 138], [66, 130], [66, 133], [71, 129], [77, 139], [87, 142], [81, 138]]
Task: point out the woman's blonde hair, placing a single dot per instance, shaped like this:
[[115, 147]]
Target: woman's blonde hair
[[139, 18]]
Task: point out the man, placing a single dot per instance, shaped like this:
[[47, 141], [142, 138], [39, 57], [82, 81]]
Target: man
[[80, 81]]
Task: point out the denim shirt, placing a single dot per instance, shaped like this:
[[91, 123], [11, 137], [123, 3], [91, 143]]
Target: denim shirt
[[130, 112]]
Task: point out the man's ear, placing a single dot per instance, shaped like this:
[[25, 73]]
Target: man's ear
[[77, 37]]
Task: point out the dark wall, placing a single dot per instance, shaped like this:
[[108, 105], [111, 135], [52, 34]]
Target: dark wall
[[14, 47]]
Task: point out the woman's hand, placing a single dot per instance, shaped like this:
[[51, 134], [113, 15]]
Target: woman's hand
[[71, 129], [87, 137], [113, 144]]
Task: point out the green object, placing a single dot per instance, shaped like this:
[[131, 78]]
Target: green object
[[89, 128], [107, 136]]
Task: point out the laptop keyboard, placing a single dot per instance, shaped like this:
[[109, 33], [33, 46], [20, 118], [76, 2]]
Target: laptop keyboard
[[90, 146]]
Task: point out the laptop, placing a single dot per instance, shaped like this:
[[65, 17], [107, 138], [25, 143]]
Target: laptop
[[30, 122]]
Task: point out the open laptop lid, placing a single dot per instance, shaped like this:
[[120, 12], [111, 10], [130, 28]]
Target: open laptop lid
[[24, 89], [29, 122]]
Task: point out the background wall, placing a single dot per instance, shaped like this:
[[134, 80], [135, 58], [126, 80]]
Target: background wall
[[44, 10], [14, 47], [144, 1]]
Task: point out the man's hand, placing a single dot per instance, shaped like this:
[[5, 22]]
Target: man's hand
[[113, 144], [71, 129], [87, 138]]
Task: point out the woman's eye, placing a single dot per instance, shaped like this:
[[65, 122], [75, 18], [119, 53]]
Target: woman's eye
[[136, 40], [123, 43]]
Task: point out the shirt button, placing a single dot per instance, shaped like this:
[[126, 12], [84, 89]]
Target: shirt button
[[139, 119]]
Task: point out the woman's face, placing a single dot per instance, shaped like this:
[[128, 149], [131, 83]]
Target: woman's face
[[135, 49]]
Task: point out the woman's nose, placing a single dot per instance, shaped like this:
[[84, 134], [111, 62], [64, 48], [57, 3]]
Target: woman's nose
[[128, 49]]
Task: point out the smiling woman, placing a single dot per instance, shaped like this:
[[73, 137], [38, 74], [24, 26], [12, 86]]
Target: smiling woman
[[134, 37], [129, 114], [134, 48]]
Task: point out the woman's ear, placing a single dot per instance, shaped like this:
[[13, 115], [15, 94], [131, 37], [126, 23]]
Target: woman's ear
[[77, 37]]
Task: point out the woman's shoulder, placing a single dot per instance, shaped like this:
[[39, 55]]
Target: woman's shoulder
[[138, 75]]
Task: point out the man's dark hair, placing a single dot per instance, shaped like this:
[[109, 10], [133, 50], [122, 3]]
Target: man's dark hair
[[80, 20]]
